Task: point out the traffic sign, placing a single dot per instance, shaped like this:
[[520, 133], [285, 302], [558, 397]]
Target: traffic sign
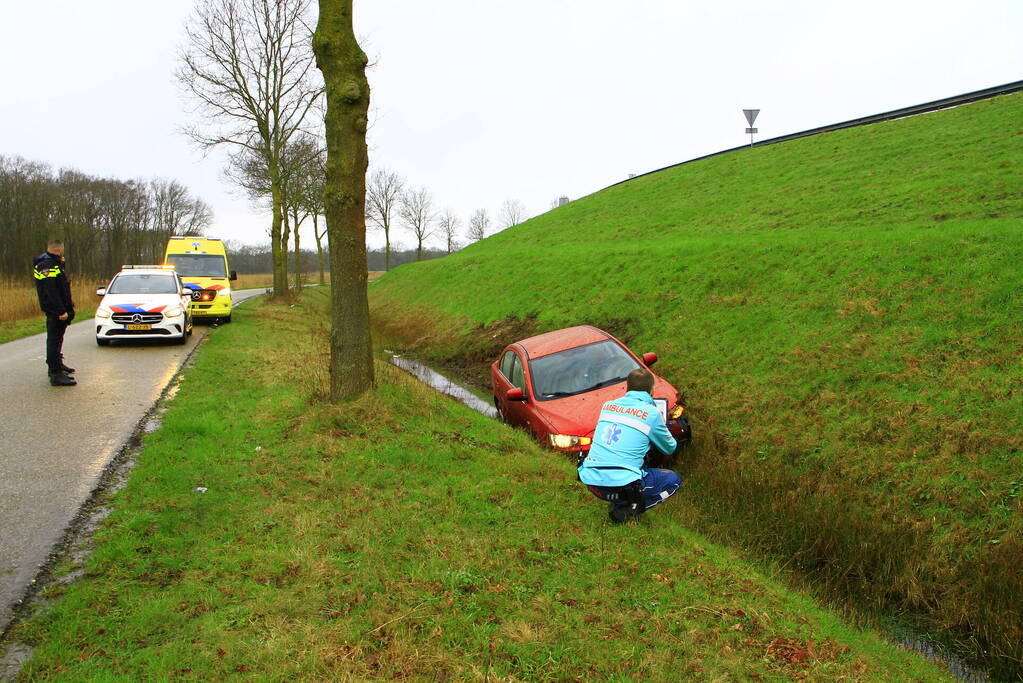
[[751, 116]]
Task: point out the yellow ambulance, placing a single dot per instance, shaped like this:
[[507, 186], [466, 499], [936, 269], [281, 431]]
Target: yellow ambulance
[[202, 264]]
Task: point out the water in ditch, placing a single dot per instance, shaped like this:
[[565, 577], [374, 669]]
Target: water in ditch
[[443, 384]]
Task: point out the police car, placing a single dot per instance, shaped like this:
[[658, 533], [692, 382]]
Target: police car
[[144, 302]]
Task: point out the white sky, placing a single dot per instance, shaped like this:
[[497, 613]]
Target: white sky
[[483, 101]]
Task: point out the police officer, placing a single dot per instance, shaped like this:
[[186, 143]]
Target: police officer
[[627, 428], [54, 290]]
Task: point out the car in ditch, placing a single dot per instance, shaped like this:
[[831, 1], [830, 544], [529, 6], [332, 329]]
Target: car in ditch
[[144, 302], [554, 384]]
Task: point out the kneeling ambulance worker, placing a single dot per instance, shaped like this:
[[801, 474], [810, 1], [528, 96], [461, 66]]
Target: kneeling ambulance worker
[[613, 470]]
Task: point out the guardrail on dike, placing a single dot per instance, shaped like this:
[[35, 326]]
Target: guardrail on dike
[[927, 107]]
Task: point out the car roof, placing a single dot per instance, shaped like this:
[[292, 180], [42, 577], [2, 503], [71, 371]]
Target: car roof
[[559, 340]]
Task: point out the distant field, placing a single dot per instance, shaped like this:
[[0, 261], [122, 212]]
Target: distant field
[[845, 313], [19, 306]]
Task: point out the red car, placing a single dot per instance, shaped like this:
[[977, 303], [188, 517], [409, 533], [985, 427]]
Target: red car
[[554, 384]]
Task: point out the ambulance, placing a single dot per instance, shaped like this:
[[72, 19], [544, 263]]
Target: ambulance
[[202, 264]]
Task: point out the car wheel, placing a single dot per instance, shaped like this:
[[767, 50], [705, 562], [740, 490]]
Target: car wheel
[[102, 342], [182, 339], [226, 319]]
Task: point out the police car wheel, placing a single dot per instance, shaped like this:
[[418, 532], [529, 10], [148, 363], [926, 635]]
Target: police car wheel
[[226, 319]]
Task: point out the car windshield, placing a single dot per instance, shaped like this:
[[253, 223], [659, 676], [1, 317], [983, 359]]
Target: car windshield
[[198, 265], [582, 369], [141, 283]]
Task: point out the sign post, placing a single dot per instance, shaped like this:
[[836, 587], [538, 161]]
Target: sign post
[[751, 116]]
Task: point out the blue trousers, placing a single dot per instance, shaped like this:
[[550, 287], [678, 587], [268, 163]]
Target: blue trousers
[[658, 485]]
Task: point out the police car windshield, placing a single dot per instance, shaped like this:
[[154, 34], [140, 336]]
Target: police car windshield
[[198, 265], [141, 283], [578, 370]]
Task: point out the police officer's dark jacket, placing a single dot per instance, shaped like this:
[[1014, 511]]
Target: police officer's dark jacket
[[52, 285]]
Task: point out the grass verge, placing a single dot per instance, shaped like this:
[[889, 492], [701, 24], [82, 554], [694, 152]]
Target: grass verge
[[844, 313], [400, 535]]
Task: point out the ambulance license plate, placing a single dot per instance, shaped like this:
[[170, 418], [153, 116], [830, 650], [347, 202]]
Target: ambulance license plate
[[138, 327]]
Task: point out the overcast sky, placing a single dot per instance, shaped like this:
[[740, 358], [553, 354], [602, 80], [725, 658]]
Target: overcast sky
[[484, 101]]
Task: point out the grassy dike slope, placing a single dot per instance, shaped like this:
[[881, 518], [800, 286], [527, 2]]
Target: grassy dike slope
[[845, 313], [400, 535]]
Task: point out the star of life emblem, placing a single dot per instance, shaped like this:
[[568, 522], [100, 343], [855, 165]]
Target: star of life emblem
[[612, 434]]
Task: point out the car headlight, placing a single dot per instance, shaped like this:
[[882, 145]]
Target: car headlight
[[173, 312], [103, 312], [567, 441]]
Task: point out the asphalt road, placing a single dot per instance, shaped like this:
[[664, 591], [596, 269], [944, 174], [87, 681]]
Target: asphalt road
[[55, 442]]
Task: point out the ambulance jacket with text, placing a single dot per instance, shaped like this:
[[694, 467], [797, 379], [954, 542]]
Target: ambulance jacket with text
[[626, 429]]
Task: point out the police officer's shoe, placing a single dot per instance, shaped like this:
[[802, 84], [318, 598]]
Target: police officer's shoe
[[62, 379], [66, 369]]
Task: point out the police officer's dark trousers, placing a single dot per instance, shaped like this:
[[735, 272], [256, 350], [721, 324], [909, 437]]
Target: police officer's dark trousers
[[55, 329]]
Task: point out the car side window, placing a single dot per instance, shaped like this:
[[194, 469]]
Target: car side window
[[517, 377], [506, 364]]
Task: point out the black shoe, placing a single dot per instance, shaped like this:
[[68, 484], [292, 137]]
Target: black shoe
[[62, 379], [620, 513], [66, 370]]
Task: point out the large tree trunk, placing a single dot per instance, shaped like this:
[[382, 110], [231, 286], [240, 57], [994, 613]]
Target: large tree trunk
[[343, 64], [298, 252], [285, 241], [319, 247], [280, 260]]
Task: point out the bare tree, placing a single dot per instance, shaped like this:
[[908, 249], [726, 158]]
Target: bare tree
[[479, 224], [416, 209], [175, 211], [313, 198], [383, 195], [105, 221], [248, 68], [448, 226], [512, 213], [343, 64], [298, 168]]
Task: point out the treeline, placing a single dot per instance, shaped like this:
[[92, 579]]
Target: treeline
[[104, 222], [259, 259]]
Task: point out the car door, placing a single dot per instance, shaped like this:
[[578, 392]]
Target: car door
[[511, 375]]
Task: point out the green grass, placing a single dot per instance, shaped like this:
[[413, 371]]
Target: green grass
[[402, 535], [844, 312]]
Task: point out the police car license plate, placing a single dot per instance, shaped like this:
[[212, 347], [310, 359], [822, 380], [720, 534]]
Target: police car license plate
[[138, 327]]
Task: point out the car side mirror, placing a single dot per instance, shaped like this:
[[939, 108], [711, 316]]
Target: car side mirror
[[234, 275], [101, 291], [515, 394], [649, 358]]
